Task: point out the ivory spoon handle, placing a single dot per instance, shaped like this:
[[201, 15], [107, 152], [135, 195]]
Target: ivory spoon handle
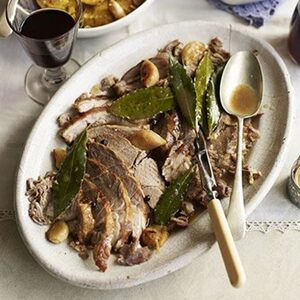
[[236, 211]]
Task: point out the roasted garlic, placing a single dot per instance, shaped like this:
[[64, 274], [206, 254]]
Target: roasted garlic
[[192, 54], [59, 155], [149, 73], [146, 139], [155, 236], [58, 232]]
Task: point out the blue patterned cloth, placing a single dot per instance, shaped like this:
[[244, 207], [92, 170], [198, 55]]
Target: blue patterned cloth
[[254, 13]]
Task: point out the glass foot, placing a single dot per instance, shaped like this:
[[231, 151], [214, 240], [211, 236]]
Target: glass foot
[[41, 84]]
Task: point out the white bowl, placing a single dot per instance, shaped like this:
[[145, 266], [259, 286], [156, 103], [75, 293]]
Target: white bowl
[[104, 29], [183, 247]]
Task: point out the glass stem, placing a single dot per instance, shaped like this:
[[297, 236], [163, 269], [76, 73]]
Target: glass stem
[[53, 77]]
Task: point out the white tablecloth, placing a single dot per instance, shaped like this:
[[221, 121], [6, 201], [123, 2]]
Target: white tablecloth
[[21, 277]]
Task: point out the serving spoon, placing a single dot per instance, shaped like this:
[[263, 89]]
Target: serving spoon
[[241, 94]]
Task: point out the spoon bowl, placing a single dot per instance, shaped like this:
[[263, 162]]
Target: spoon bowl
[[241, 92], [242, 69]]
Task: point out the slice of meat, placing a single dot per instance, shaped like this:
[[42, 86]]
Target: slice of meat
[[106, 226], [88, 101], [113, 189], [87, 221], [131, 80], [180, 156], [218, 55], [82, 249], [222, 150], [161, 61], [106, 86], [174, 47], [114, 164], [39, 193], [116, 142], [78, 123], [64, 119], [124, 131], [141, 138], [168, 127], [133, 254], [152, 183], [195, 192], [178, 161]]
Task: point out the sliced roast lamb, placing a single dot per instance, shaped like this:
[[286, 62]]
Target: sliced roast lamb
[[88, 101], [125, 131], [180, 156], [116, 142], [106, 223], [114, 164], [222, 150], [113, 189], [152, 182], [81, 121]]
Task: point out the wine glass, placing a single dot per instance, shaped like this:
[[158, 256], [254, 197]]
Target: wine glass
[[47, 35]]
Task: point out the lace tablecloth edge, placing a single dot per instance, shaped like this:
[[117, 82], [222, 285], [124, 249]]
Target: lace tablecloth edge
[[261, 226]]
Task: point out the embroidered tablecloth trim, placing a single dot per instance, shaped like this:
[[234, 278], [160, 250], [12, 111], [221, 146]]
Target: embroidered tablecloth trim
[[267, 226], [7, 215], [263, 226]]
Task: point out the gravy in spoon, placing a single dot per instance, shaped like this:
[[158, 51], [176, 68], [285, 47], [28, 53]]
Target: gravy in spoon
[[243, 101]]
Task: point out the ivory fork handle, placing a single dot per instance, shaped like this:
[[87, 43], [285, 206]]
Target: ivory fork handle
[[227, 246]]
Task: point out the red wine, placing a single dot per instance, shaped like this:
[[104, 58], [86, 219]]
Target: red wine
[[294, 36], [48, 35], [47, 24]]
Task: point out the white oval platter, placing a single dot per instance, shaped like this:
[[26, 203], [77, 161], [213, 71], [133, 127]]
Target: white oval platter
[[183, 247]]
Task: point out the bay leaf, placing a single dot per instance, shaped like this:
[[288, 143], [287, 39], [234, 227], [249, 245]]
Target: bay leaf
[[184, 91], [143, 103], [203, 74], [68, 179], [171, 200], [212, 109]]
